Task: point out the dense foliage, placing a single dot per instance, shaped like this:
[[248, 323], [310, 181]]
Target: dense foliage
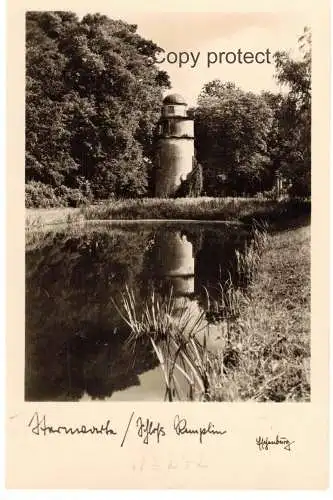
[[231, 130], [293, 145], [245, 141], [93, 97]]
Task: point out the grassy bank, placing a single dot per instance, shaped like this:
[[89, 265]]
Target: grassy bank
[[38, 217], [264, 331], [242, 209], [180, 208], [271, 339], [193, 208]]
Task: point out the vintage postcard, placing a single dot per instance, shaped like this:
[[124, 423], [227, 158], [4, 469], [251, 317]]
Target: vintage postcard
[[167, 245]]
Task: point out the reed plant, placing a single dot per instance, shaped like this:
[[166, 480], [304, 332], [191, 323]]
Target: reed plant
[[248, 260], [173, 333]]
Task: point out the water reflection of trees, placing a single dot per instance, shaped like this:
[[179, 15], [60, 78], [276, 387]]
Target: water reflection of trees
[[75, 339], [215, 261]]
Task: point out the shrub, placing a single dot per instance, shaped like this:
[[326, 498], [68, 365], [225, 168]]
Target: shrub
[[40, 195], [72, 197], [193, 184]]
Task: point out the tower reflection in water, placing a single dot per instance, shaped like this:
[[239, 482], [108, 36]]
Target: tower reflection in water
[[175, 269], [183, 263]]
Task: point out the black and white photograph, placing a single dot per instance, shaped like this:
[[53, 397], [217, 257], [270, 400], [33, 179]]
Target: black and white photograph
[[167, 207]]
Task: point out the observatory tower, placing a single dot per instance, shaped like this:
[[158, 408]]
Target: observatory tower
[[175, 150]]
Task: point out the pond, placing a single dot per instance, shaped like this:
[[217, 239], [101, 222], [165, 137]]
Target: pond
[[77, 345]]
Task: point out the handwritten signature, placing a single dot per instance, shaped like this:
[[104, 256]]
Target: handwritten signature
[[146, 429], [39, 427], [265, 443], [181, 428]]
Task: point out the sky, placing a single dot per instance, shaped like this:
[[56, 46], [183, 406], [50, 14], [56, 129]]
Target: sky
[[218, 32]]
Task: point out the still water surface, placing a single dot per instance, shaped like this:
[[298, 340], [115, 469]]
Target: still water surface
[[75, 339]]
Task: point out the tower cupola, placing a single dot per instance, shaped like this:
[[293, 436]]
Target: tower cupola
[[174, 105]]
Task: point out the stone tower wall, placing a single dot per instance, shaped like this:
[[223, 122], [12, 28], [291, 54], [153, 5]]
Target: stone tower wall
[[177, 128], [175, 162]]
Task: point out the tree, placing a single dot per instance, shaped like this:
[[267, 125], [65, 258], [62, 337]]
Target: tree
[[294, 153], [231, 131], [93, 97]]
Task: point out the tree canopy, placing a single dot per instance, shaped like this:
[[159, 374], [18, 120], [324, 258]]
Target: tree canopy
[[293, 147], [244, 140], [231, 130], [93, 97]]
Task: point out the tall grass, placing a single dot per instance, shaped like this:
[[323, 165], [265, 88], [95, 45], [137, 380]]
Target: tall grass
[[180, 208], [40, 217], [249, 259]]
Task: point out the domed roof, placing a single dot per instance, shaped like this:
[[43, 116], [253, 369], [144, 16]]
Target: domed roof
[[174, 99]]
